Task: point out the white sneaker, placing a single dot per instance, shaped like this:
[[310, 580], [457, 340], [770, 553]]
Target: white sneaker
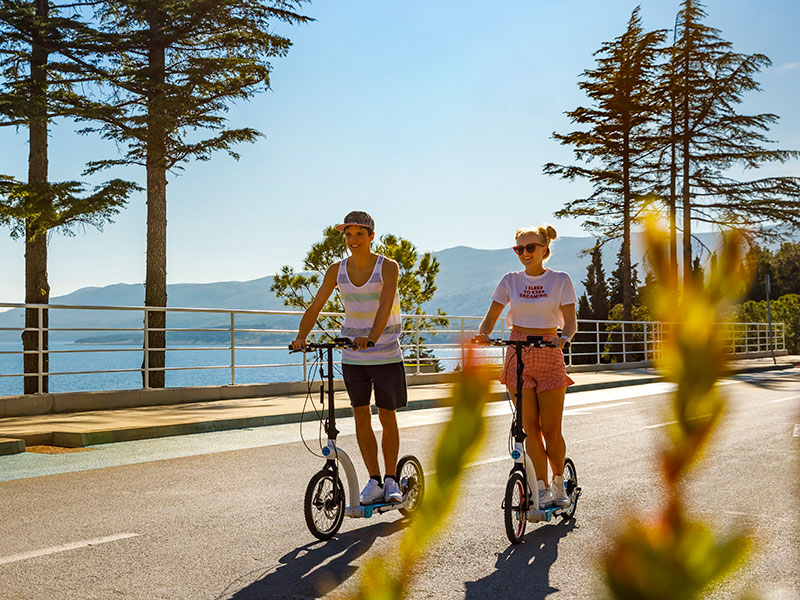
[[559, 492], [391, 492], [372, 492], [545, 496]]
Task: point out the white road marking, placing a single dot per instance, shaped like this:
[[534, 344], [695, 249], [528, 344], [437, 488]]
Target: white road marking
[[796, 431], [587, 410], [785, 399], [660, 425], [71, 546]]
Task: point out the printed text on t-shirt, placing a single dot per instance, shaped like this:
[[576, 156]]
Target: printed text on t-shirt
[[533, 292]]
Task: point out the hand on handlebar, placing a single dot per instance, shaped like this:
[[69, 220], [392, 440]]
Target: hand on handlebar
[[298, 344], [559, 341], [480, 338], [363, 342]]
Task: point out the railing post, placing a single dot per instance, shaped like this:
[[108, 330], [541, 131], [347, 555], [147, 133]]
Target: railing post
[[624, 351], [233, 350], [597, 340], [40, 369], [146, 348], [416, 335], [463, 345], [644, 335]]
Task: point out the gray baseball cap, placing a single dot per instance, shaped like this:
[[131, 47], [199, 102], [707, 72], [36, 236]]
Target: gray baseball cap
[[357, 217]]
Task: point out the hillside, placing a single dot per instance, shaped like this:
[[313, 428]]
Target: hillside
[[465, 284]]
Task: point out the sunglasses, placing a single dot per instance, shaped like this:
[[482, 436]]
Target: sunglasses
[[531, 248]]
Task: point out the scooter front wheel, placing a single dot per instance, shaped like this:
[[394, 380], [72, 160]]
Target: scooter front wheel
[[324, 504], [515, 507], [412, 483], [571, 488]]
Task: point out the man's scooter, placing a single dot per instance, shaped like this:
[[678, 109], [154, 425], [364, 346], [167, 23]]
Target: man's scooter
[[325, 502]]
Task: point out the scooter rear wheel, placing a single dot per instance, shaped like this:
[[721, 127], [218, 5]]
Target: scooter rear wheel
[[324, 504], [515, 507]]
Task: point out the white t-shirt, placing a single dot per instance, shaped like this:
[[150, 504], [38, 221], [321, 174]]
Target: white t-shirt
[[535, 301]]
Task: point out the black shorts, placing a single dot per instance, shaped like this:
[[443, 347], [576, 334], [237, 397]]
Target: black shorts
[[389, 381]]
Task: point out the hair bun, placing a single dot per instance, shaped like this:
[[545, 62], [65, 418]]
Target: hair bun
[[551, 233]]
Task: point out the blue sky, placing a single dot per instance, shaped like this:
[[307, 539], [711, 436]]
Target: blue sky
[[435, 117]]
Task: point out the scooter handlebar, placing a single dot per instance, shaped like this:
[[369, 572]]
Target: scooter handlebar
[[339, 342], [534, 341]]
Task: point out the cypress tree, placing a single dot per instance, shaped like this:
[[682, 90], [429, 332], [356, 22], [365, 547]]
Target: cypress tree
[[616, 282], [596, 286]]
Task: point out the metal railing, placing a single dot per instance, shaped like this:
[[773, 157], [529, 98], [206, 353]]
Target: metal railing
[[239, 332]]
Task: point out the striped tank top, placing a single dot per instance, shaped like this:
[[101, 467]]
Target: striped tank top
[[360, 306]]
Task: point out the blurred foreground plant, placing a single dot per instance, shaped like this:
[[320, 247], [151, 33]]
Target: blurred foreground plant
[[672, 556], [458, 444]]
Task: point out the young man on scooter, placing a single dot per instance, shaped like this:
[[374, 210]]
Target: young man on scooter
[[367, 285]]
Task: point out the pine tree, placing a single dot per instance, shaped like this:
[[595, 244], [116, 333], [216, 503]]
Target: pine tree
[[619, 135], [709, 80], [38, 82], [416, 285], [173, 69]]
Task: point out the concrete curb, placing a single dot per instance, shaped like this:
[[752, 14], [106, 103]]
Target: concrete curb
[[80, 439], [11, 446]]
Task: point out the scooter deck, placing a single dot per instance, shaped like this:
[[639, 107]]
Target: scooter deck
[[380, 504], [367, 510]]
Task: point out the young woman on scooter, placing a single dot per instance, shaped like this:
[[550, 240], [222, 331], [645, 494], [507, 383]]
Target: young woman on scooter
[[541, 301]]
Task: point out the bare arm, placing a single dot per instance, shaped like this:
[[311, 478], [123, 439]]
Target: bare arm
[[390, 273], [487, 325], [570, 324], [312, 312]]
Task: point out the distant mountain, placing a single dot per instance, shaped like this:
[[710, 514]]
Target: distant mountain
[[465, 283]]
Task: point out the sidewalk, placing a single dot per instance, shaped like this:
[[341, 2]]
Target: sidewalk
[[78, 429]]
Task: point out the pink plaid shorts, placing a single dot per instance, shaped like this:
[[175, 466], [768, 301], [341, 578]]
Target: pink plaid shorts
[[544, 367]]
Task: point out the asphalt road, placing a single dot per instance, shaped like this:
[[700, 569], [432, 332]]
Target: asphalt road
[[219, 515]]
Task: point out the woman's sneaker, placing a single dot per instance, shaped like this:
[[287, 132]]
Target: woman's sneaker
[[372, 492], [391, 492], [545, 496], [559, 492]]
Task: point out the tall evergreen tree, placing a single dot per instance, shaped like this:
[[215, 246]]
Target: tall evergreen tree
[[175, 68], [709, 80], [584, 310], [619, 135], [787, 269], [616, 283], [38, 84], [596, 286]]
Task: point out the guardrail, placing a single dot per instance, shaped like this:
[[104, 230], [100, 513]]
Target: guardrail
[[239, 332]]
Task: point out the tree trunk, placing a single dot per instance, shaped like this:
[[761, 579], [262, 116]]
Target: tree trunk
[[627, 286], [686, 158], [673, 198], [37, 289], [153, 374]]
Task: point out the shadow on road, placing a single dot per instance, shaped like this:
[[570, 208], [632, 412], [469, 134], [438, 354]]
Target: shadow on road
[[768, 383], [523, 570], [312, 570]]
